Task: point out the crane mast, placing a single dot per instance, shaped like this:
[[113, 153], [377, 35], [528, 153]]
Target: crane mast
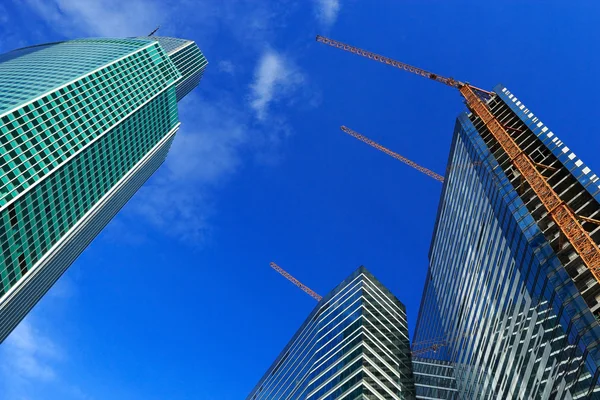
[[296, 281], [559, 211], [397, 156]]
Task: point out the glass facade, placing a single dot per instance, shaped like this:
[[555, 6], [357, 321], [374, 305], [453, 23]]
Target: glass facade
[[434, 379], [188, 60], [83, 124], [48, 129], [516, 299], [354, 345]]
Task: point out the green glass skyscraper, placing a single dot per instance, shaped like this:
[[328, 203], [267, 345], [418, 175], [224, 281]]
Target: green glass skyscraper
[[83, 124]]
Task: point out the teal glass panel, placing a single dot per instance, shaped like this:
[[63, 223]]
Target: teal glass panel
[[31, 71], [191, 63], [37, 137], [170, 44], [36, 221], [188, 60]]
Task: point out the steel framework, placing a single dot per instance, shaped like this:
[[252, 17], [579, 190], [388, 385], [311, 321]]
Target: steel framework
[[387, 151], [558, 210], [295, 281]]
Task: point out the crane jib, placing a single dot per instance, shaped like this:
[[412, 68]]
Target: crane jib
[[476, 99]]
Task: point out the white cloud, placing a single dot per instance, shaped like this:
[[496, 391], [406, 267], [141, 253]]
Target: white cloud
[[226, 66], [327, 11], [3, 15], [250, 22], [217, 139], [32, 362], [114, 18], [275, 78], [64, 288], [204, 154], [28, 355], [216, 131]]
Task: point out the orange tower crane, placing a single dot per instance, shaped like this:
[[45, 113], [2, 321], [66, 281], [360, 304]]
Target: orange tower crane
[[295, 281], [397, 156], [559, 211]]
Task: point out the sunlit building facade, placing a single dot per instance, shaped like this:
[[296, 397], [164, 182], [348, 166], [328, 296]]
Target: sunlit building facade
[[83, 124], [516, 305], [354, 345]]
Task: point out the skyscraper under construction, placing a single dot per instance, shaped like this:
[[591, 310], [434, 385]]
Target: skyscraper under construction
[[502, 277], [514, 265], [83, 124]]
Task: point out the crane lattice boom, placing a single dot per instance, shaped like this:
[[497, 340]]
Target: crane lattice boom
[[296, 281], [433, 347], [397, 156], [558, 210], [389, 61], [426, 346]]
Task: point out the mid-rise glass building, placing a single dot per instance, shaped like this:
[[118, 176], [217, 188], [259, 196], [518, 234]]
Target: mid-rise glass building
[[503, 282], [83, 124], [353, 345]]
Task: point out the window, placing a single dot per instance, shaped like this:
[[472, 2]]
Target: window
[[590, 282], [22, 264], [12, 214]]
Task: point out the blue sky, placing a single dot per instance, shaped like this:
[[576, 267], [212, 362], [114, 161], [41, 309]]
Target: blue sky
[[175, 299]]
